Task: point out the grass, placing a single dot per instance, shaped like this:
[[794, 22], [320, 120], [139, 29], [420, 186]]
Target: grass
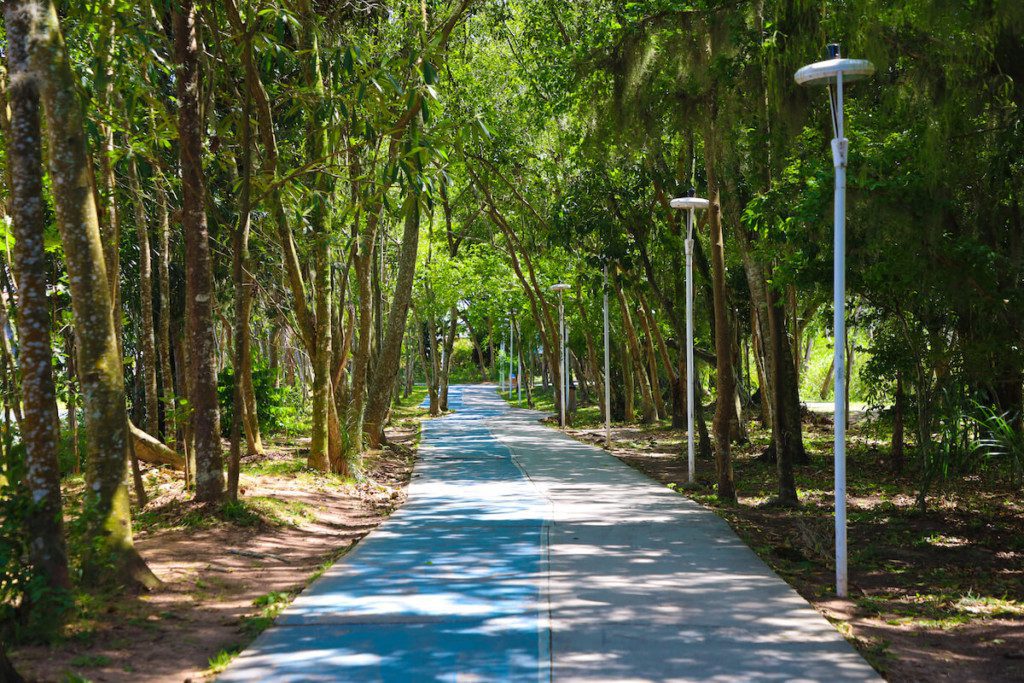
[[219, 662], [270, 604], [295, 467], [246, 512]]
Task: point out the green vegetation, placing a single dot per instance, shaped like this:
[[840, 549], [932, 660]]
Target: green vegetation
[[232, 220]]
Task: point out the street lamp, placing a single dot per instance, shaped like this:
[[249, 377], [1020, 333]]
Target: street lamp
[[511, 352], [607, 369], [691, 202], [832, 73], [564, 388], [501, 366], [519, 365]]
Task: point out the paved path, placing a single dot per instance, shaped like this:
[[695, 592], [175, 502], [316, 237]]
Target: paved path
[[523, 555]]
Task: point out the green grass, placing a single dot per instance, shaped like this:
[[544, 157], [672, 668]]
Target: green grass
[[409, 406], [275, 467], [219, 662], [271, 604], [246, 512]]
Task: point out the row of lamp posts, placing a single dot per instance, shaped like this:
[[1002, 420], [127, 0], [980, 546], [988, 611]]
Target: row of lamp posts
[[833, 73]]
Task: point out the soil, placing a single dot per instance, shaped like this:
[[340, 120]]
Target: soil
[[933, 596], [222, 578]]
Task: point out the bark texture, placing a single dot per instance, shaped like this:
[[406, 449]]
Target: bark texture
[[146, 333], [725, 379], [209, 474], [107, 511], [39, 426], [386, 369]]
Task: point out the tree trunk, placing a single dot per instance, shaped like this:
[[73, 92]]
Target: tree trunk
[[898, 410], [826, 385], [788, 444], [199, 294], [386, 370], [725, 379], [164, 339], [435, 370], [476, 348], [147, 335], [107, 511], [239, 265], [652, 360], [628, 411], [40, 433], [449, 347], [648, 408]]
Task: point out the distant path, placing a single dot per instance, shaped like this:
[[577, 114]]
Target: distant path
[[524, 555]]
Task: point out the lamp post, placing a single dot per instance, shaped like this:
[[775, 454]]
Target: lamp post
[[607, 369], [564, 384], [519, 369], [511, 351], [691, 202], [832, 73]]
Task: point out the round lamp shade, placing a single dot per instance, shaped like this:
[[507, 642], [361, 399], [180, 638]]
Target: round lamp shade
[[824, 73], [561, 287], [689, 203]]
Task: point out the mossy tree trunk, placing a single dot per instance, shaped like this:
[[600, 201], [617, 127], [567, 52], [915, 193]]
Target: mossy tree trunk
[[107, 511], [39, 426], [209, 474]]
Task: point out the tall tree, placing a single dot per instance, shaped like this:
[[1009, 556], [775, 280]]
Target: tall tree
[[107, 511], [39, 425], [199, 294]]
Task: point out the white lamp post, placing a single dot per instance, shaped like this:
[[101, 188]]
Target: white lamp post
[[607, 369], [564, 388], [691, 203], [832, 73], [519, 368], [511, 352]]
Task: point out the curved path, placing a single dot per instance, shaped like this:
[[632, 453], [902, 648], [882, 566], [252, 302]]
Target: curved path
[[524, 555]]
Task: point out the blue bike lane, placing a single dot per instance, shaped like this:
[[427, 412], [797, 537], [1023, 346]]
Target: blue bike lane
[[450, 587]]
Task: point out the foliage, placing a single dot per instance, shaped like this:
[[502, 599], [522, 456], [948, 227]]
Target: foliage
[[275, 407]]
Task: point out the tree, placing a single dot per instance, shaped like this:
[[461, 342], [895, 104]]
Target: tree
[[107, 512], [39, 424], [209, 474]]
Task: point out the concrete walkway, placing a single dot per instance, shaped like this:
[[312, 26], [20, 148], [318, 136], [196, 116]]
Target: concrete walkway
[[524, 555]]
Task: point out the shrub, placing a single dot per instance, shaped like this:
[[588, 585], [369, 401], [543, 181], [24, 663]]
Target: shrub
[[273, 408]]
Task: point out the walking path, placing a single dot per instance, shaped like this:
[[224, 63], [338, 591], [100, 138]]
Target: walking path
[[524, 555]]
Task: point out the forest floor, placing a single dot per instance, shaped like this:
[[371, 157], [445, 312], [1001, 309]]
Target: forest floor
[[226, 572], [933, 596]]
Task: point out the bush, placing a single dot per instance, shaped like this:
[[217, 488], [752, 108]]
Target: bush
[[274, 410]]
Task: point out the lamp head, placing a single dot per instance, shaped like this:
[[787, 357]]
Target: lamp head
[[690, 201], [826, 72]]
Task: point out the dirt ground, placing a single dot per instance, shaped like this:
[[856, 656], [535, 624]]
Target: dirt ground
[[933, 596], [223, 580]]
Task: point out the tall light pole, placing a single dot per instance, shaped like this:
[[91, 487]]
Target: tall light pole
[[832, 73], [607, 369], [511, 351], [519, 366], [564, 384], [691, 202]]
